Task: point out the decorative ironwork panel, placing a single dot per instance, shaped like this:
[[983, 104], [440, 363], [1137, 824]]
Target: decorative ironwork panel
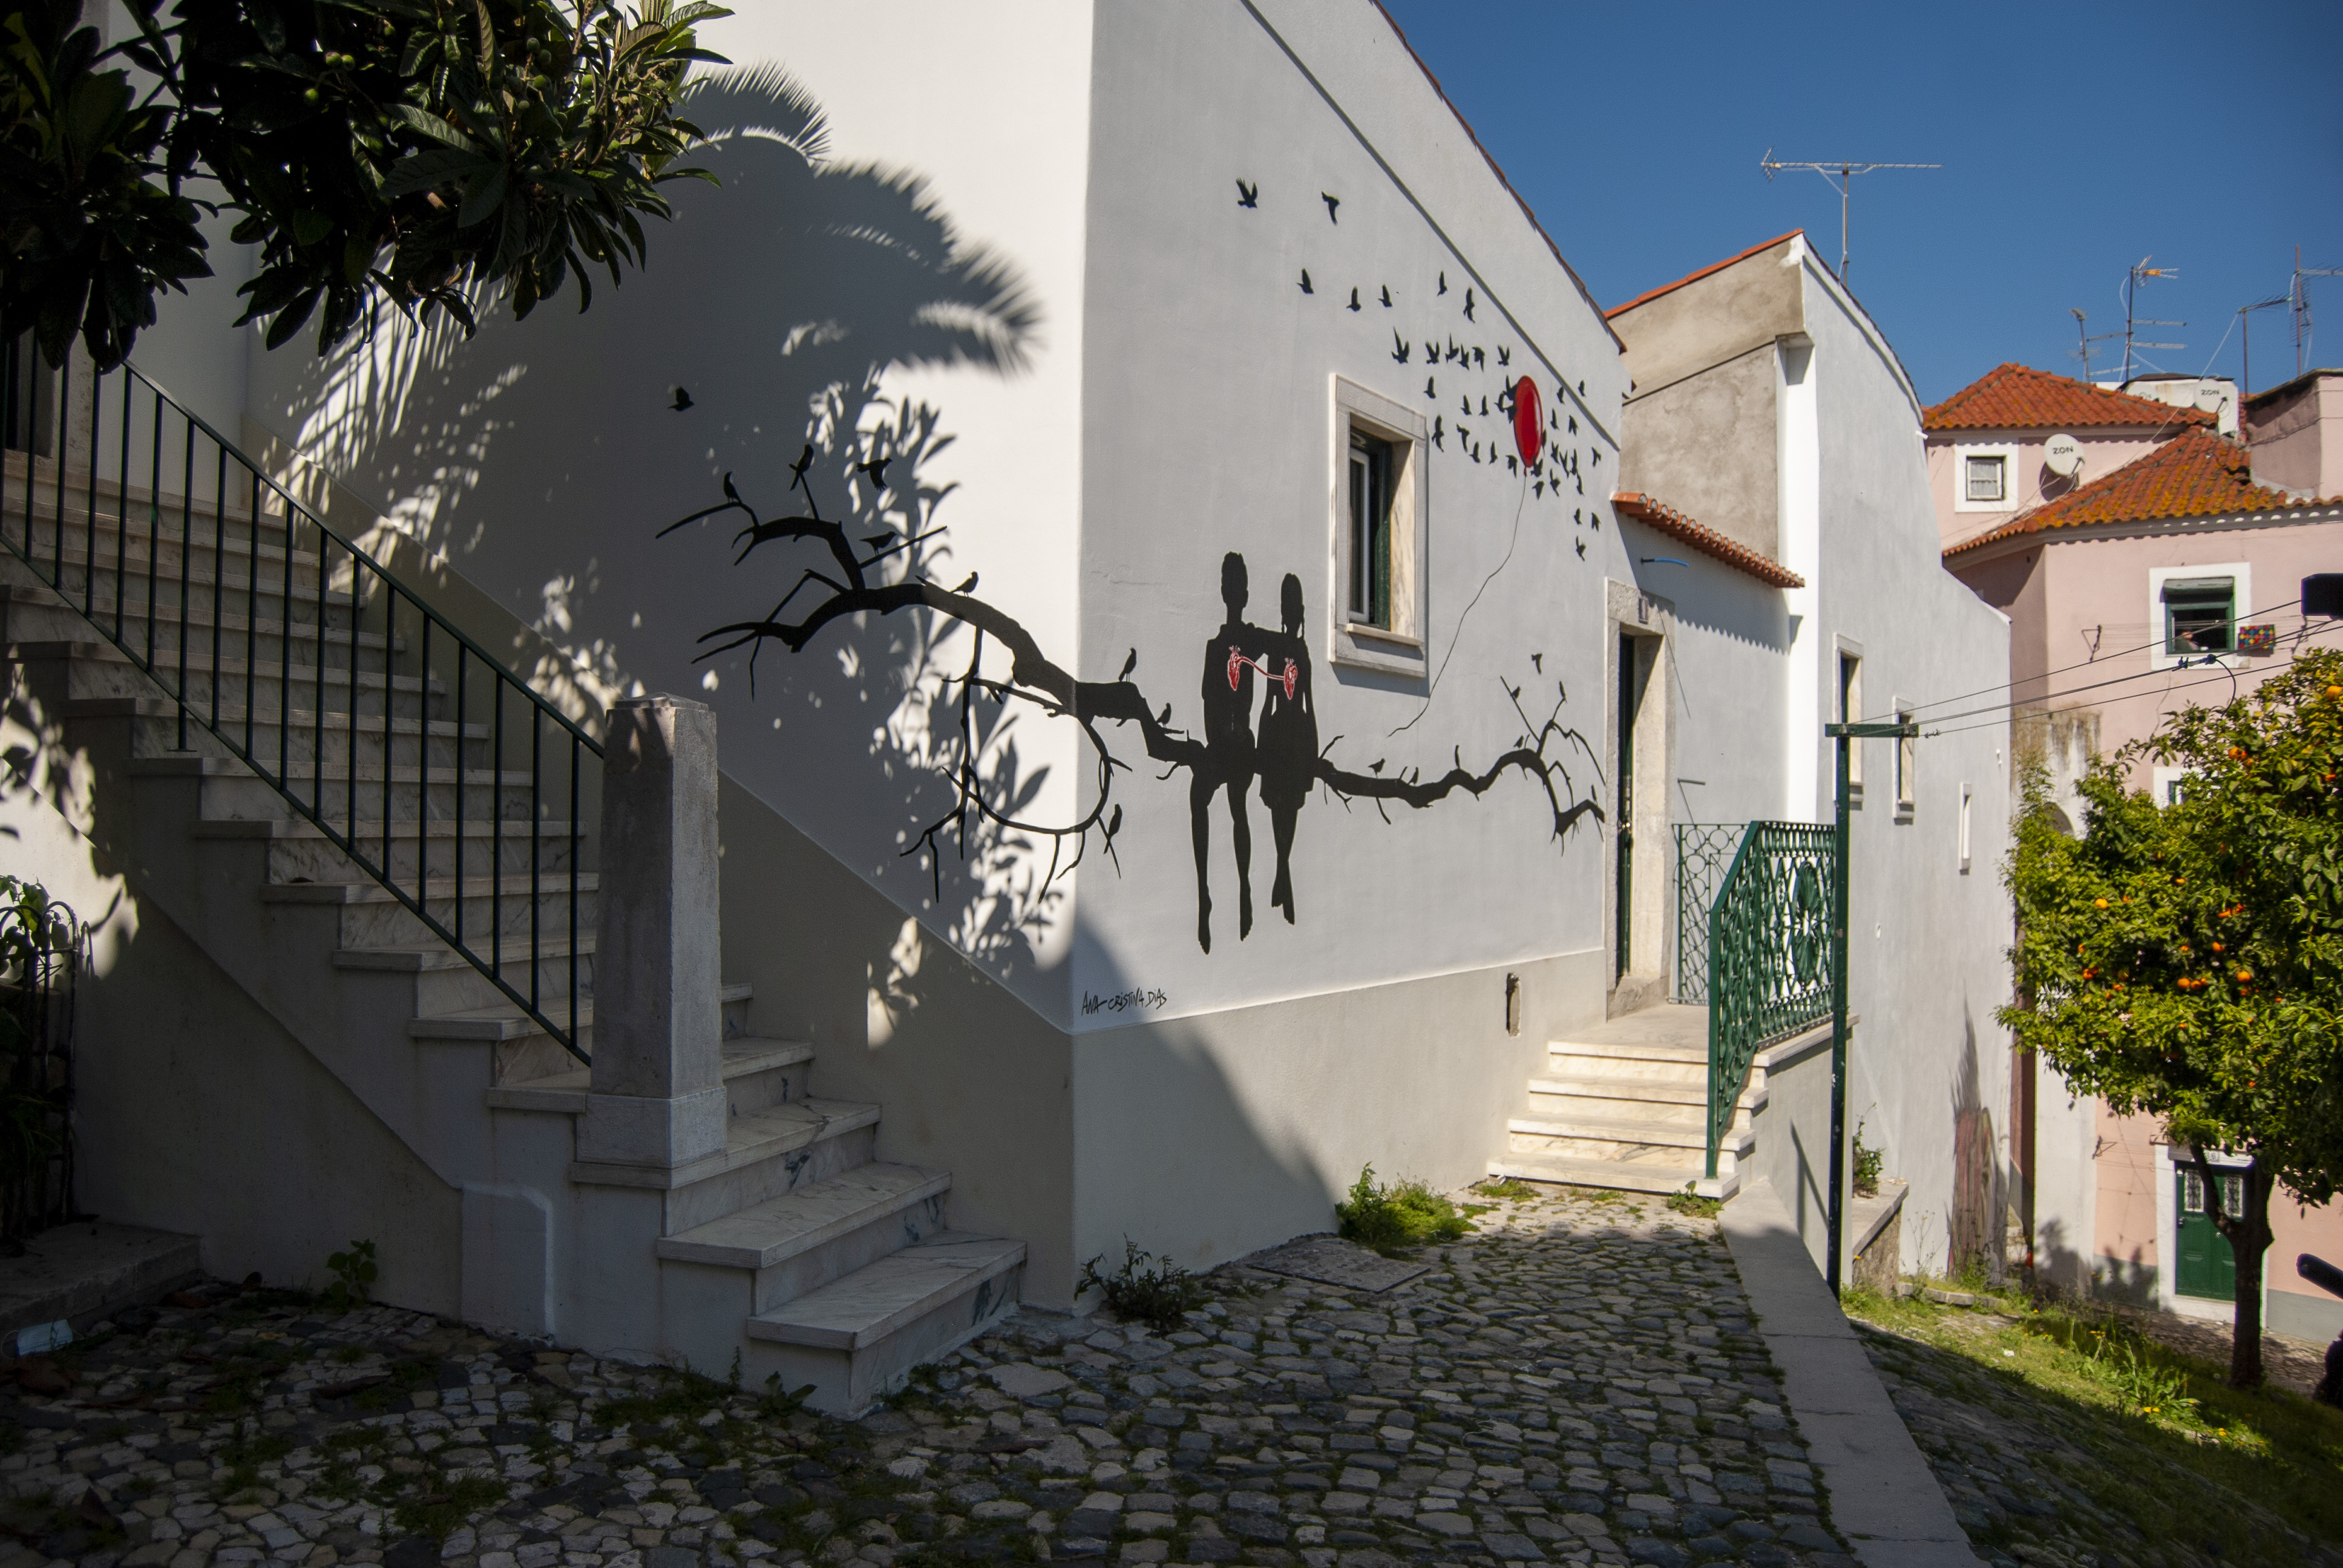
[[1770, 958], [1703, 852]]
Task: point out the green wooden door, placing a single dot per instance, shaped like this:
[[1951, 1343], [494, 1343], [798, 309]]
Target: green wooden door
[[2206, 1266]]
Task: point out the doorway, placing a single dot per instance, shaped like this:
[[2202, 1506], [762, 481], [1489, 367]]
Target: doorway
[[1624, 839], [2204, 1263]]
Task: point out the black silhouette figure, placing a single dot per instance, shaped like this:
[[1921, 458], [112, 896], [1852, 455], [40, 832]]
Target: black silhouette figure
[[1400, 349], [1387, 304], [1287, 755], [1305, 282], [1332, 203], [1231, 657], [1354, 297], [1248, 194], [682, 400]]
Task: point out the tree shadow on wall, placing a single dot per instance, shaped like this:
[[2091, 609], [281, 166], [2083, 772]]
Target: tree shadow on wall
[[550, 452]]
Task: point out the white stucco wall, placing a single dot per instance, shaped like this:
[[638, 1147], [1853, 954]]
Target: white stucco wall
[[936, 244], [1925, 941]]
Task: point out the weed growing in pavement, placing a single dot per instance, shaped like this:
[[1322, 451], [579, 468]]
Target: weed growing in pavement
[[1395, 1217], [353, 1274], [1509, 1187], [437, 1514], [1689, 1201], [1867, 1166], [1149, 1288]]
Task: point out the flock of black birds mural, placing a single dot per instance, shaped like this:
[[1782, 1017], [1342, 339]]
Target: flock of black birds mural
[[1260, 722]]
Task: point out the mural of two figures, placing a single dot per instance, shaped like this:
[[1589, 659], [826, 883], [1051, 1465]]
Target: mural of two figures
[[1281, 753]]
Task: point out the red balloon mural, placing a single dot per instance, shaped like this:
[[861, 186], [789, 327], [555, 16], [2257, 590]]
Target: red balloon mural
[[1529, 424]]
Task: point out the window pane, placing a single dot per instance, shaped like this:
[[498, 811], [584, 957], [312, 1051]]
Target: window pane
[[1358, 533], [2192, 1199], [2198, 616], [1984, 476], [1379, 528]]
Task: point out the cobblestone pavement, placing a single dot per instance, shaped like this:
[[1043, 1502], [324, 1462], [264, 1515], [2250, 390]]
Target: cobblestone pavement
[[1579, 1382], [2039, 1481]]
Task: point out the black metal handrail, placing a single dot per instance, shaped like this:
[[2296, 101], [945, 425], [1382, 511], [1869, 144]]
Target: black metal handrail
[[59, 438], [1704, 852], [1769, 954]]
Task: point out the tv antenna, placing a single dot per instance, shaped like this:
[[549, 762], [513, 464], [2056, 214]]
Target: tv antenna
[[2133, 277], [2084, 352], [2246, 337], [2301, 297], [1846, 170]]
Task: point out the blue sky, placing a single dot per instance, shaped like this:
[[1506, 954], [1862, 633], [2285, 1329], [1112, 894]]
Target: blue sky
[[2076, 139]]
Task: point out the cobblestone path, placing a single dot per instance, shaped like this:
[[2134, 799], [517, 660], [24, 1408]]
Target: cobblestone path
[[1579, 1382]]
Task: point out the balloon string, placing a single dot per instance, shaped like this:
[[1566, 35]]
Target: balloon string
[[1452, 637]]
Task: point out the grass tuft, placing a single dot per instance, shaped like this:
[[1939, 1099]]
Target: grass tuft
[[1149, 1287], [1394, 1218]]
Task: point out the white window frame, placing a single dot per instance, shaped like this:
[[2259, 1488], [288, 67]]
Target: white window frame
[[2241, 579], [1964, 830], [1399, 649], [2013, 486], [2167, 780], [1848, 699], [1908, 766]]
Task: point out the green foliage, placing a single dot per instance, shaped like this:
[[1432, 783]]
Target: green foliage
[[1149, 1287], [353, 1274], [1689, 1201], [437, 1512], [409, 151], [779, 1403], [1866, 1165], [2187, 961], [89, 236], [1510, 1188], [1392, 1219]]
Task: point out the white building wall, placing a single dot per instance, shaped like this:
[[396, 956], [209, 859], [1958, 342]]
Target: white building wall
[[1926, 940]]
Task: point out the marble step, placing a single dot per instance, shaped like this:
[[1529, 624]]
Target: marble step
[[807, 1239], [767, 1152], [857, 1339], [1617, 1176], [750, 1061]]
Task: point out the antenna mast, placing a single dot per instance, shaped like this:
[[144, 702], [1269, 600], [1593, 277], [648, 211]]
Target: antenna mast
[[2246, 338], [2083, 332], [1846, 169], [2300, 296], [2138, 270]]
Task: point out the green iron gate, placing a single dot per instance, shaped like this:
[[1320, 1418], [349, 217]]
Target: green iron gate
[[1703, 852], [1769, 959]]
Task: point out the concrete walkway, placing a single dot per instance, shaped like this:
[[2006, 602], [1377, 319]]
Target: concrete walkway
[[1884, 1499]]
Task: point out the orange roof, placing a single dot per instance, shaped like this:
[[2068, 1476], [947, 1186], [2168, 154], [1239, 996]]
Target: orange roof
[[2014, 396], [1657, 514], [2197, 474], [1651, 294]]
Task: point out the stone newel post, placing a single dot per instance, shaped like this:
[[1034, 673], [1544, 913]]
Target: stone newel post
[[658, 1094]]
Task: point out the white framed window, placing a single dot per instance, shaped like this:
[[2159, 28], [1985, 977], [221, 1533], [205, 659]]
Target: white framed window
[[2170, 785], [2193, 612], [1850, 711], [1907, 766], [1380, 515], [1986, 479], [1964, 829]]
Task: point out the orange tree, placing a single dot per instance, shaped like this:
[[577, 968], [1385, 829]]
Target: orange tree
[[2185, 961]]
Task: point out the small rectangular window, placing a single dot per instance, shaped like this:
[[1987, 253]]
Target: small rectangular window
[[2192, 1193], [1371, 529], [1907, 757], [2199, 614], [1850, 711], [1988, 479]]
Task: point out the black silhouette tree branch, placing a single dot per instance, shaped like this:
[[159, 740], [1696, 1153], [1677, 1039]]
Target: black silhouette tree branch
[[852, 589]]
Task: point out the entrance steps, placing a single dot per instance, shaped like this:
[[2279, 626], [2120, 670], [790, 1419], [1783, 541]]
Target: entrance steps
[[794, 1250]]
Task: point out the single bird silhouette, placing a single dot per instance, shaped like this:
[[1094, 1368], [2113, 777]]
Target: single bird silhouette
[[1468, 303], [1165, 717], [1437, 432], [1332, 203], [1537, 662], [1582, 547], [796, 469], [968, 587], [875, 470], [1354, 297], [682, 400], [1443, 283], [1573, 424], [1248, 194], [1504, 356], [1305, 282], [1480, 359], [1387, 304], [1399, 348], [1377, 765], [1129, 665], [1427, 388]]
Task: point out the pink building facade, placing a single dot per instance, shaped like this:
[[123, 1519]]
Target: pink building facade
[[2192, 546]]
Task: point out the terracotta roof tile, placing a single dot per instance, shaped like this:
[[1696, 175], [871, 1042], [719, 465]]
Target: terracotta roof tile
[[1656, 514], [2014, 396], [2197, 474], [1651, 294]]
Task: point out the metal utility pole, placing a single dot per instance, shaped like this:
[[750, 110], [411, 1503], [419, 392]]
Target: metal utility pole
[[2141, 269], [2245, 350], [2300, 296], [1882, 729], [1846, 170]]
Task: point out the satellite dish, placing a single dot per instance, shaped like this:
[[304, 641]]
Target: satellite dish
[[2062, 455]]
